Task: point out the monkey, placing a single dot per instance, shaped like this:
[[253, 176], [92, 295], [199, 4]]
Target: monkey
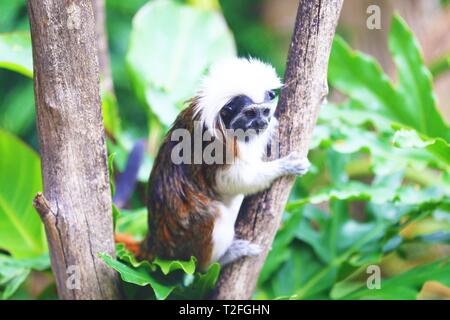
[[192, 207]]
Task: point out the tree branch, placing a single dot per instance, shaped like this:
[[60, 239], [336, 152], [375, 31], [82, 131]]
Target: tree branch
[[76, 209], [305, 90]]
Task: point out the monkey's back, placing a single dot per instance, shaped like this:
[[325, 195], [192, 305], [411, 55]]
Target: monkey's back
[[181, 205]]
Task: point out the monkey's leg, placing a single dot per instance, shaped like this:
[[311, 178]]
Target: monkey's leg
[[238, 249]]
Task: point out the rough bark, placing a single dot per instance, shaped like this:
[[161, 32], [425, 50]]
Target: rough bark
[[306, 87], [102, 46], [76, 208]]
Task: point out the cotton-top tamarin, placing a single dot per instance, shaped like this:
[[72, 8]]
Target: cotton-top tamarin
[[193, 206]]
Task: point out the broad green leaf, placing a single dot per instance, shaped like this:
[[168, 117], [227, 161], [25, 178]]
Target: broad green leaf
[[411, 103], [349, 135], [167, 266], [410, 139], [171, 46], [21, 230], [17, 109], [13, 272], [352, 114], [201, 285], [15, 52], [10, 14], [157, 274], [415, 85], [140, 276], [204, 283], [302, 275], [355, 190], [362, 79]]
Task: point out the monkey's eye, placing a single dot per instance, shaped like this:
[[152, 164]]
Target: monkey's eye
[[271, 94], [225, 111], [266, 112], [250, 113]]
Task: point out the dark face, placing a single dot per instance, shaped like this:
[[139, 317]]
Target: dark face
[[241, 112]]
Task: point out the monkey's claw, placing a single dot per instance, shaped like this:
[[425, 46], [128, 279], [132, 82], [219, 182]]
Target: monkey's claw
[[295, 164]]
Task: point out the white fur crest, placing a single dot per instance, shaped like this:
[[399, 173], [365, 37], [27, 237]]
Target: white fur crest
[[232, 77]]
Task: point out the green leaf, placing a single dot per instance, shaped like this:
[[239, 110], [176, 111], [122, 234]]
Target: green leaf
[[158, 274], [406, 285], [111, 114], [339, 242], [171, 46], [415, 85], [308, 275], [21, 230], [440, 66], [410, 139], [411, 103], [379, 194], [140, 276], [17, 109], [201, 285], [111, 173], [13, 272], [350, 135], [133, 222], [167, 266], [361, 78], [11, 12], [115, 214], [15, 52]]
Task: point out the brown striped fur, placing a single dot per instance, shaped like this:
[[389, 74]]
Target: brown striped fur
[[182, 205]]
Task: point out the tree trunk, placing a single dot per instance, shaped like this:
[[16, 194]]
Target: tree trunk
[[102, 46], [76, 209], [306, 88]]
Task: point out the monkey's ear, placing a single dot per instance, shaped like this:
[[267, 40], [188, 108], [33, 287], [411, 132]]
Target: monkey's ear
[[271, 94]]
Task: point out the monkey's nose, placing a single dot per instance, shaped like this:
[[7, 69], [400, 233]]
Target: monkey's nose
[[260, 124]]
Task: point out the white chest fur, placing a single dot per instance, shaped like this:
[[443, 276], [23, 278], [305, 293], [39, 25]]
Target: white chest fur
[[246, 176], [223, 232]]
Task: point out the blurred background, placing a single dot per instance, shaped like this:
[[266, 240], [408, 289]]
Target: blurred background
[[378, 192]]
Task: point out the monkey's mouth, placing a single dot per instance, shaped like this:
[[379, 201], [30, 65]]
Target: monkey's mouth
[[252, 133]]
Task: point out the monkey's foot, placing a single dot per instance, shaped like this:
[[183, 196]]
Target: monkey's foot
[[238, 249]]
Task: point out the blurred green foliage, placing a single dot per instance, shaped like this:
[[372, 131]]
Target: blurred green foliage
[[384, 176], [377, 194], [21, 231]]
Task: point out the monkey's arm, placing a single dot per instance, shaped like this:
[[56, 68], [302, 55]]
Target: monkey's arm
[[249, 178]]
